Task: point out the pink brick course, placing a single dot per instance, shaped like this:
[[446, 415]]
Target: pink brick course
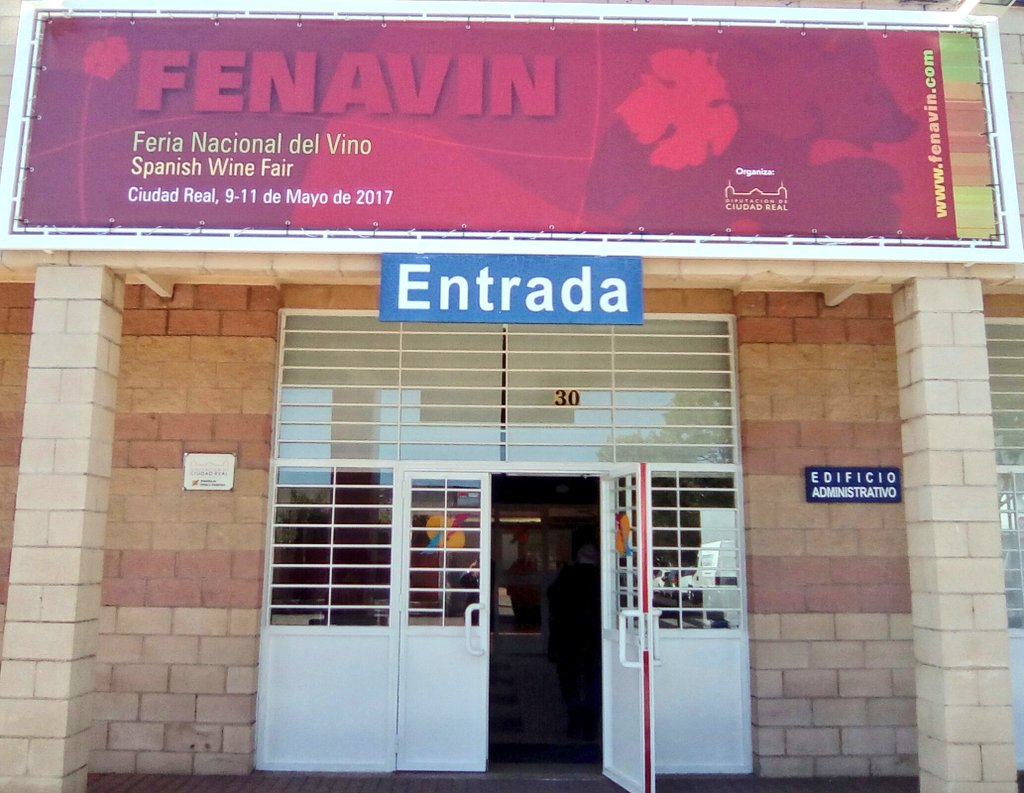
[[786, 447], [794, 304], [145, 322], [751, 304], [221, 297], [155, 454], [207, 578], [819, 331], [249, 323], [186, 322], [202, 310], [764, 329]]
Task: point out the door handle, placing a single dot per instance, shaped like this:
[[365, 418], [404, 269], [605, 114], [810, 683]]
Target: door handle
[[624, 616], [654, 632], [478, 609]]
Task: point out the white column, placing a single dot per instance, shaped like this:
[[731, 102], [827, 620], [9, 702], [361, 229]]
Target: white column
[[50, 637], [961, 646]]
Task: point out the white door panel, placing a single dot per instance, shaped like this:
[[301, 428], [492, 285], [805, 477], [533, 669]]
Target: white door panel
[[443, 718], [624, 742], [299, 674], [629, 632], [703, 705], [443, 672]]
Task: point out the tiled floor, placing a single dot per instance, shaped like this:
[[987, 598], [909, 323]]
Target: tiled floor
[[502, 780]]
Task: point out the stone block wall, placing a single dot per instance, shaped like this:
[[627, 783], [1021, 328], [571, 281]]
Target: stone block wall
[[177, 661], [829, 598], [829, 595]]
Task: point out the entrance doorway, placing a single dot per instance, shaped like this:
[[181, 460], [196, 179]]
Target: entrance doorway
[[393, 587], [545, 671], [380, 613]]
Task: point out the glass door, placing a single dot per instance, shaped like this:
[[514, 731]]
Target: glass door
[[629, 638], [443, 670], [329, 648]]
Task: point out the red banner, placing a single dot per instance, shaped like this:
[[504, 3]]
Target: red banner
[[278, 124]]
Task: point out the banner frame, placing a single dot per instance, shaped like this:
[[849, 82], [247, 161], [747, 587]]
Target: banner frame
[[1009, 249]]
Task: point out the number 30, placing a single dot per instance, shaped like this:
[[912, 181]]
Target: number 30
[[569, 397]]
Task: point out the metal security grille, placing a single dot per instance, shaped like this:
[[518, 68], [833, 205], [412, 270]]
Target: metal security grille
[[1011, 519], [331, 560], [627, 519], [1006, 375], [696, 550], [353, 388], [696, 560]]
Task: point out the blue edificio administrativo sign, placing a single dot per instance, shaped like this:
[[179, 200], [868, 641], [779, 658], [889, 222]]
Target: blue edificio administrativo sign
[[853, 484], [580, 290]]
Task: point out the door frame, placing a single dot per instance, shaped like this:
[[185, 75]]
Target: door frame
[[486, 469]]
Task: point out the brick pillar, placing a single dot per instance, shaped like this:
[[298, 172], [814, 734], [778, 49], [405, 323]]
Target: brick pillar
[[49, 642], [961, 647]]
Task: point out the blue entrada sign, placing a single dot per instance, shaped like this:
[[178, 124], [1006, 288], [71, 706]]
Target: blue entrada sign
[[853, 484], [581, 290]]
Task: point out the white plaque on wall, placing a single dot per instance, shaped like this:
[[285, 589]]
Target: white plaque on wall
[[209, 471]]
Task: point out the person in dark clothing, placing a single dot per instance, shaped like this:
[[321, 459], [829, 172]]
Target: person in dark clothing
[[575, 640]]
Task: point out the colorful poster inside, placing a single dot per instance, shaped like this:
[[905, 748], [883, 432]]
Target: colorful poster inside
[[285, 124]]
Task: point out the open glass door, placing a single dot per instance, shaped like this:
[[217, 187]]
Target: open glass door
[[629, 630], [442, 718]]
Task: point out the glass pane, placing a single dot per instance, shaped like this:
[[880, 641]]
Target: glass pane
[[592, 342], [354, 535], [706, 344], [303, 515], [697, 581], [302, 535], [306, 575], [444, 377], [303, 495], [556, 379], [444, 556], [561, 454], [675, 362], [358, 377], [675, 454], [372, 359], [678, 418], [451, 452], [667, 399], [647, 392], [299, 555], [676, 380], [331, 555], [568, 361], [444, 342], [527, 435]]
